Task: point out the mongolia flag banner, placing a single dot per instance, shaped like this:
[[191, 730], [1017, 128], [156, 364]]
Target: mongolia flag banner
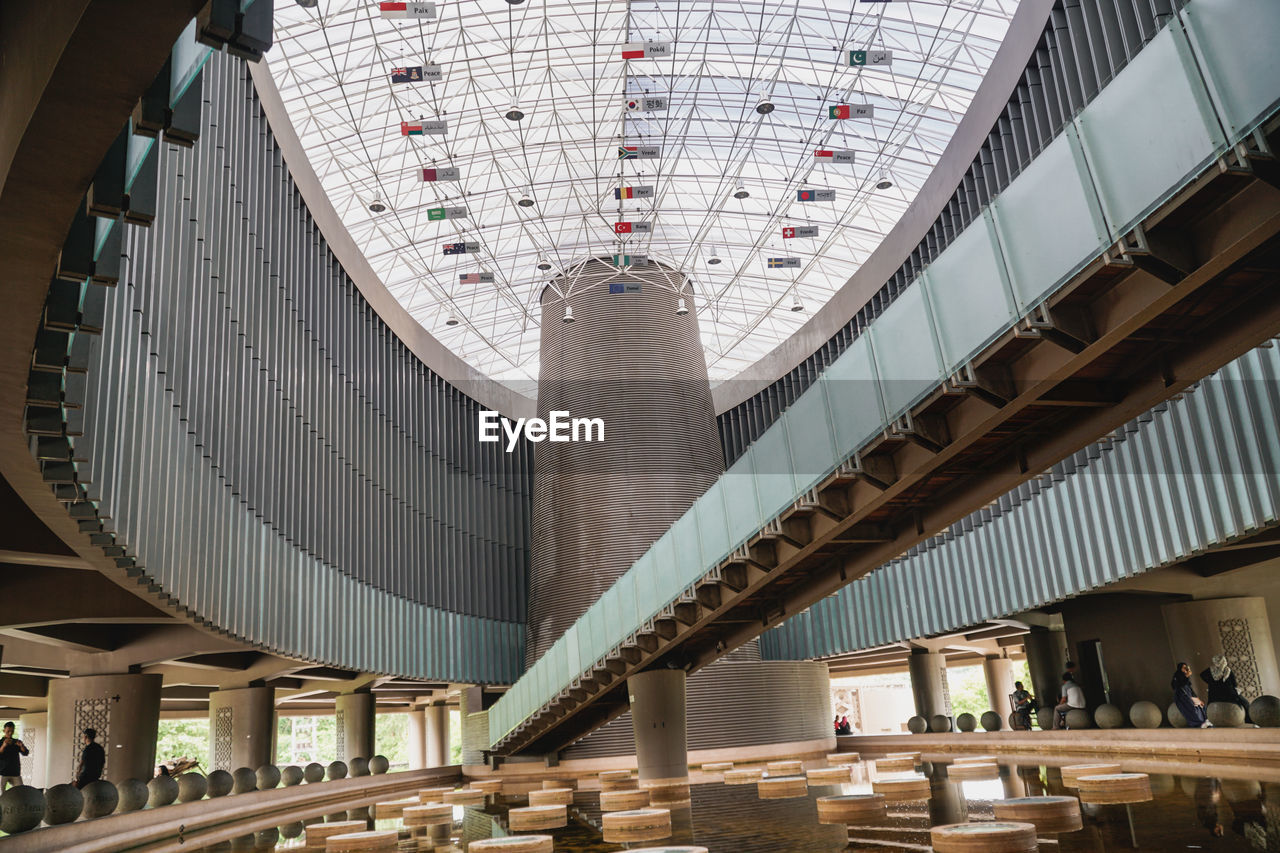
[[476, 278], [870, 57], [815, 195], [800, 231], [632, 227], [633, 192], [452, 173], [396, 10], [830, 156], [784, 263], [647, 50]]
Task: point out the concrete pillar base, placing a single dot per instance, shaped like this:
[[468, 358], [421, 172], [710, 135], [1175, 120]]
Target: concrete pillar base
[[242, 727], [658, 719], [355, 726], [125, 711]]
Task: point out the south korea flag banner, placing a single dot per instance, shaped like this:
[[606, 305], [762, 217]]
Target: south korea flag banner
[[646, 104]]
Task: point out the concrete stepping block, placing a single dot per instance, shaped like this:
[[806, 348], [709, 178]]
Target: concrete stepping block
[[974, 759], [393, 808], [537, 817], [893, 765], [514, 844], [358, 842], [636, 825], [837, 759], [782, 787], [428, 814], [743, 776], [849, 808], [1073, 772], [489, 786], [1112, 788], [975, 770], [903, 789], [551, 797], [830, 775], [989, 837], [465, 797], [1047, 814], [717, 766], [785, 768], [319, 833], [621, 801], [434, 795]]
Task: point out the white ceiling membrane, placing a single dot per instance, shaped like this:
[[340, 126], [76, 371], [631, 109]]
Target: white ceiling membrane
[[562, 63]]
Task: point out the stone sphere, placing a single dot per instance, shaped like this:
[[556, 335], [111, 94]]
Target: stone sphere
[[917, 725], [359, 813], [1265, 711], [291, 775], [940, 723], [1145, 715], [336, 770], [268, 777], [313, 772], [21, 809], [990, 721], [966, 723], [1044, 719], [133, 795], [1175, 716], [62, 804], [161, 791], [1225, 715], [220, 783], [192, 787], [245, 780], [1108, 717], [100, 798], [292, 830], [1078, 718], [379, 765], [359, 767], [267, 839]]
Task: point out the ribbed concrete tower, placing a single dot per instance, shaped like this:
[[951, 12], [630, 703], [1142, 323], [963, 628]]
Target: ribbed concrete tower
[[631, 360]]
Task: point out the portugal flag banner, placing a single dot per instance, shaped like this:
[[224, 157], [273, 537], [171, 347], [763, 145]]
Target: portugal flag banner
[[395, 10], [850, 111]]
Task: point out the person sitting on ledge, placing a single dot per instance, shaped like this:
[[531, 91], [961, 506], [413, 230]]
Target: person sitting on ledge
[[1184, 696], [1023, 704], [1072, 697], [1222, 684]]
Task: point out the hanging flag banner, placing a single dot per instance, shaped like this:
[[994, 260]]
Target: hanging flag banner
[[633, 192], [815, 195], [784, 263], [452, 173], [632, 227], [423, 127], [639, 152], [850, 111], [395, 10], [829, 156], [647, 104], [461, 248], [629, 260], [800, 231], [871, 57], [435, 214], [648, 50], [408, 74], [624, 287], [476, 278]]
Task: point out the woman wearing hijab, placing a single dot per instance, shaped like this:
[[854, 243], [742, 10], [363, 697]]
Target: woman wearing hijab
[[1222, 684], [1184, 696]]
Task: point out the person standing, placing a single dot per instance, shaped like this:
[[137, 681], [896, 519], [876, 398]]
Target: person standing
[[92, 760], [1184, 696], [1221, 682], [11, 752]]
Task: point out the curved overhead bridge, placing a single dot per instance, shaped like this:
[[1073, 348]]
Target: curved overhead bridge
[[1134, 255]]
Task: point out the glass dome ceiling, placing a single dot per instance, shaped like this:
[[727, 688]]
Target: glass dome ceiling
[[562, 62]]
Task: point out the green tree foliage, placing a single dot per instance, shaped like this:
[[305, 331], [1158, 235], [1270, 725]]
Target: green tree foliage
[[968, 687], [183, 739]]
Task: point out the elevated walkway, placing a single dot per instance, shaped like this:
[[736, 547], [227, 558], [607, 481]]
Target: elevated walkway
[[1135, 255]]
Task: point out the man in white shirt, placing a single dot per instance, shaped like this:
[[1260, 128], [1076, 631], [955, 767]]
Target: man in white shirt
[[1072, 697]]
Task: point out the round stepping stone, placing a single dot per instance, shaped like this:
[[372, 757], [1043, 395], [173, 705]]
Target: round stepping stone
[[465, 797], [537, 817], [743, 776], [319, 833], [974, 759], [620, 801], [902, 790], [636, 825], [613, 775], [990, 837], [1111, 788], [560, 783], [357, 842], [890, 765], [782, 787], [667, 792], [837, 759], [617, 780], [551, 797], [667, 849], [393, 808], [514, 844], [1075, 771], [830, 775], [489, 786], [849, 808], [433, 795], [431, 814], [1047, 814], [717, 766], [785, 768], [915, 756], [984, 770]]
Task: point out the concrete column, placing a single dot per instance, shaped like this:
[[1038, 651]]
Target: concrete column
[[658, 718], [928, 672], [125, 711], [33, 730], [1047, 659], [1235, 627], [242, 726], [417, 739], [355, 725], [437, 742], [999, 673]]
